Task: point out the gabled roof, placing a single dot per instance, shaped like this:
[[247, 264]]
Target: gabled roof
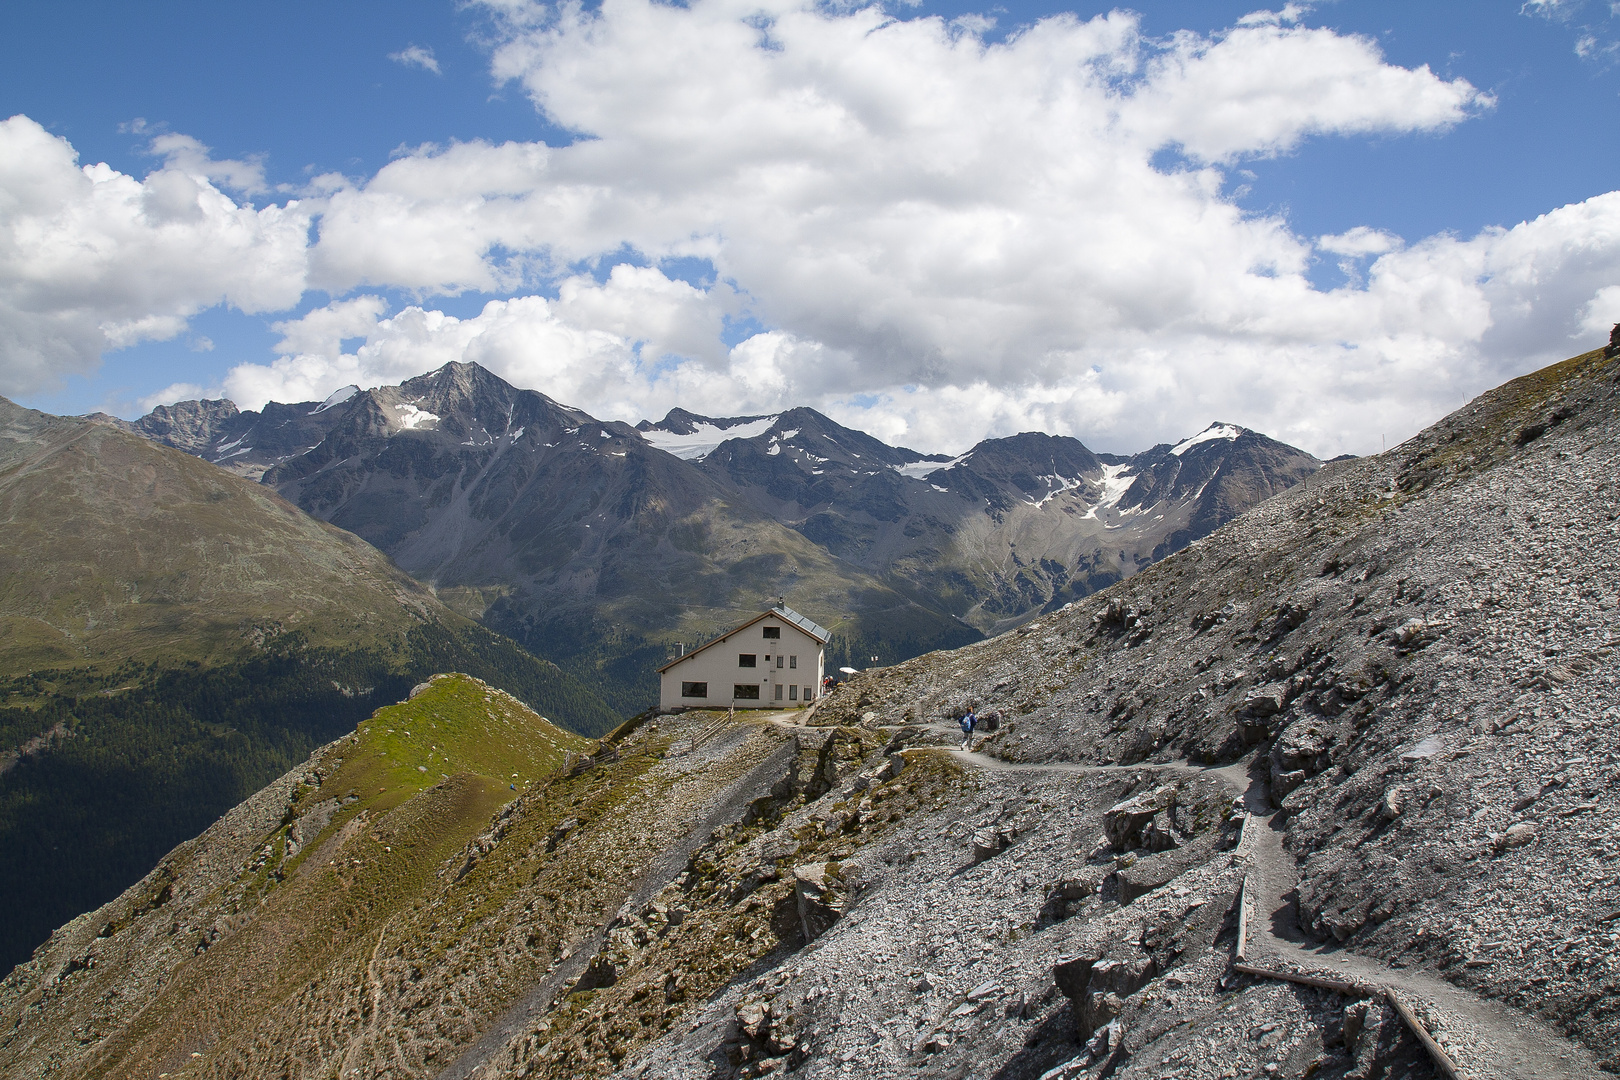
[[780, 611], [787, 614]]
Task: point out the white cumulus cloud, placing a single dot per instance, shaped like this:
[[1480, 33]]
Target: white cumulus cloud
[[937, 236], [1359, 241], [92, 259]]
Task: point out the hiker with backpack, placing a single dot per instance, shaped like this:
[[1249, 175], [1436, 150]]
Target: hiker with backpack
[[969, 722]]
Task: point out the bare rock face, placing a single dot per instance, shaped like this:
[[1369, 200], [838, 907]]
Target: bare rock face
[[1145, 875], [818, 897], [1125, 824], [1302, 750]]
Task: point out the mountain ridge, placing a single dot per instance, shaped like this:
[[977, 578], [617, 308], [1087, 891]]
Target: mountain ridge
[[171, 637], [1362, 735], [602, 545]]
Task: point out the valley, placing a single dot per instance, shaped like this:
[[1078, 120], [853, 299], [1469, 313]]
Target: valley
[[172, 638]]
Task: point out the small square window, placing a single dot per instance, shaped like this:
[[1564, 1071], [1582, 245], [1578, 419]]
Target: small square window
[[695, 689], [773, 631], [746, 659], [745, 693]]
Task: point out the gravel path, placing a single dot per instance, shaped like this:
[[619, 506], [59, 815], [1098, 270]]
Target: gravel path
[[1485, 1038]]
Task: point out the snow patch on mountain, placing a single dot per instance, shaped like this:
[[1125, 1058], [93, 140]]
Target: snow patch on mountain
[[337, 397], [1115, 482], [412, 417], [1058, 485], [704, 438], [921, 470], [1209, 434]]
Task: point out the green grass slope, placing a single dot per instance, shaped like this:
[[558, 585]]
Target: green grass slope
[[173, 637], [358, 847]]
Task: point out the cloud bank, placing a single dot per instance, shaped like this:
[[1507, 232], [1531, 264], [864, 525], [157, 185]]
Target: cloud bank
[[939, 237]]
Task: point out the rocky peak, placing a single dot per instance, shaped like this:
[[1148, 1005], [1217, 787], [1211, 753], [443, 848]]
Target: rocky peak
[[1222, 462], [458, 385], [188, 425], [680, 422], [1031, 464]]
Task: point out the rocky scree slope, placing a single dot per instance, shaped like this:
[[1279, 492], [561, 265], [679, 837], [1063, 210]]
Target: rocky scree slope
[[172, 638], [1417, 652], [843, 908]]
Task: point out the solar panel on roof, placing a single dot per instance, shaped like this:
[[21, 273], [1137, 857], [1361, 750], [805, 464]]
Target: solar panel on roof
[[786, 614], [802, 623]]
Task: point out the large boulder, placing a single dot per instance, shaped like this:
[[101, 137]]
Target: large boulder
[[1302, 750], [819, 896], [1098, 986], [992, 840], [1124, 822]]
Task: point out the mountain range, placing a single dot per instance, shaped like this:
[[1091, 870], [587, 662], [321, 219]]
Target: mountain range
[[602, 546], [1328, 794], [191, 601]]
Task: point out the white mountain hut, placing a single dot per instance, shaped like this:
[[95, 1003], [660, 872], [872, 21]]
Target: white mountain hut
[[775, 660]]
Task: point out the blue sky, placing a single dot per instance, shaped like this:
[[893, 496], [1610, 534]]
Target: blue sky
[[307, 90]]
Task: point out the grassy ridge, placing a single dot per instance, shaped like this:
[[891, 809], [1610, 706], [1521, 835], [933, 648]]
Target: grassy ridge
[[172, 638], [410, 787], [136, 771]]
